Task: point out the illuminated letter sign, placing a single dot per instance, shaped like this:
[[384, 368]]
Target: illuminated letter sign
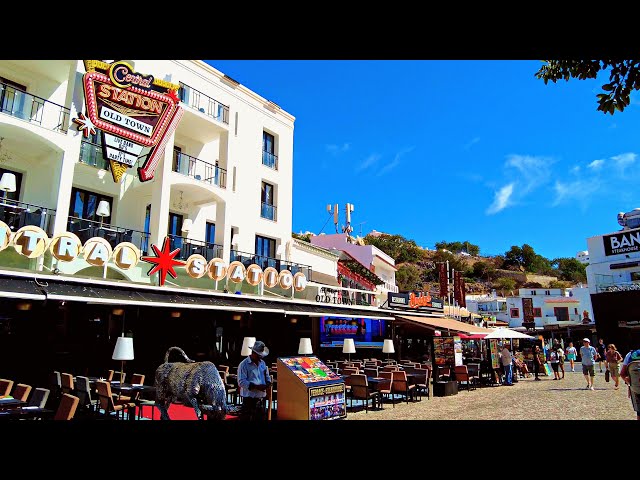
[[133, 111]]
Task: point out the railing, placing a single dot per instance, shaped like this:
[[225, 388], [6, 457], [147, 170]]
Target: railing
[[617, 287], [199, 169], [33, 109], [263, 262], [554, 320], [86, 229], [268, 211], [190, 247], [204, 104], [346, 297], [270, 160], [18, 214], [91, 154], [391, 287]]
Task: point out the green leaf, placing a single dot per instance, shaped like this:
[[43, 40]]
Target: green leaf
[[607, 87]]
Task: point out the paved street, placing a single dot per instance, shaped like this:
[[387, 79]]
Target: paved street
[[547, 399]]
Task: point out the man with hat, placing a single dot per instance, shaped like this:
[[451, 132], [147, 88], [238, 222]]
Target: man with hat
[[588, 354], [254, 380]]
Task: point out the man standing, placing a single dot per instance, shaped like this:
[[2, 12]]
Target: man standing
[[537, 363], [588, 354], [602, 353], [254, 380], [505, 357]]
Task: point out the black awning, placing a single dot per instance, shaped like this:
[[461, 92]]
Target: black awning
[[25, 288]]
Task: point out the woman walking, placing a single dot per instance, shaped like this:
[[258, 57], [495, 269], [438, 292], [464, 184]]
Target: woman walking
[[561, 359], [613, 359], [554, 361], [571, 355]]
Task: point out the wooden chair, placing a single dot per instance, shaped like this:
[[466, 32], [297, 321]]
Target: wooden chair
[[443, 373], [385, 387], [462, 376], [223, 368], [350, 370], [67, 408], [5, 387], [83, 392], [401, 385], [390, 368], [136, 379], [371, 371], [110, 375], [474, 373], [21, 392], [360, 391], [67, 383], [422, 386], [110, 405]]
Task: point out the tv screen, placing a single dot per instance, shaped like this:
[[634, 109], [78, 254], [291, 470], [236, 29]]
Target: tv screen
[[365, 332]]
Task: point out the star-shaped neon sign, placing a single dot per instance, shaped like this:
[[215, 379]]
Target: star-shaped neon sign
[[164, 261], [85, 125], [173, 95]]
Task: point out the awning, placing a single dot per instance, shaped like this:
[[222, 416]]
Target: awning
[[57, 288], [24, 289], [475, 336], [443, 323]]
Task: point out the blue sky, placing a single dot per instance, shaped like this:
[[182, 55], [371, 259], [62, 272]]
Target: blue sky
[[453, 150]]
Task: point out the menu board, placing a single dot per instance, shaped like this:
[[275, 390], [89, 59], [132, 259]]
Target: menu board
[[444, 351], [310, 369], [457, 350], [327, 402], [495, 357]]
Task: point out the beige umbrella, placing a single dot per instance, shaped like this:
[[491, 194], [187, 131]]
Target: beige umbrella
[[502, 332]]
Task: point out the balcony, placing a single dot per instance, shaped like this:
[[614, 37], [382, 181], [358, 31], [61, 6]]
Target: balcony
[[270, 160], [204, 104], [617, 287], [91, 154], [572, 319], [18, 214], [86, 229], [33, 109], [263, 262], [190, 247], [199, 169], [268, 211]]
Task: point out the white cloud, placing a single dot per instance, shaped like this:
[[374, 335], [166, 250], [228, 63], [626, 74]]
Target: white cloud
[[623, 160], [369, 161], [580, 191], [575, 170], [533, 171], [501, 199], [596, 164], [396, 161], [336, 149]]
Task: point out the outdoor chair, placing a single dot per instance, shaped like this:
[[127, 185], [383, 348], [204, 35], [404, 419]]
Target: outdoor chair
[[21, 392], [422, 384], [5, 387], [67, 408], [462, 376], [111, 405], [385, 387], [360, 391], [401, 385], [474, 373], [371, 371]]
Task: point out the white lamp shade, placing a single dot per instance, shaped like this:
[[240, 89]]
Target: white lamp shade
[[348, 346], [247, 343], [387, 346], [304, 347], [8, 182], [124, 349], [186, 225], [103, 209]]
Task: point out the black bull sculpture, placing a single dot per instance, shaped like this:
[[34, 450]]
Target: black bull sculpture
[[193, 384]]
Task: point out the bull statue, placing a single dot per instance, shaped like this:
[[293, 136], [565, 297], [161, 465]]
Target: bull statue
[[193, 384]]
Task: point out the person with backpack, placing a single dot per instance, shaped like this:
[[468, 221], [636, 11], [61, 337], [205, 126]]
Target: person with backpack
[[630, 373], [554, 360]]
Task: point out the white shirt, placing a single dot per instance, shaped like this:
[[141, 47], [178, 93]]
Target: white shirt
[[506, 357]]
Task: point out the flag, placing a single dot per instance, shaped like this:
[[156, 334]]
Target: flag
[[456, 287], [442, 276], [463, 293]]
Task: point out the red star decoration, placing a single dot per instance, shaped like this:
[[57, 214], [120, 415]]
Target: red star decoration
[[173, 95], [164, 261]]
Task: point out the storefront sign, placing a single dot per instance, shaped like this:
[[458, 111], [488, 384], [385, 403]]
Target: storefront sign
[[622, 242], [411, 300], [133, 111], [327, 402], [342, 300], [32, 242]]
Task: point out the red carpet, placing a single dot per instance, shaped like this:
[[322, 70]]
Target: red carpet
[[177, 412]]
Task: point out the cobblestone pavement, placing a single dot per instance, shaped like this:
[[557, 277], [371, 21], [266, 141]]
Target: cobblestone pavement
[[547, 399]]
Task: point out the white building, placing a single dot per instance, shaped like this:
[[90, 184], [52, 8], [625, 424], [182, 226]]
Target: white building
[[583, 256]]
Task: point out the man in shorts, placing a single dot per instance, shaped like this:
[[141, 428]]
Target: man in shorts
[[624, 373], [588, 354]]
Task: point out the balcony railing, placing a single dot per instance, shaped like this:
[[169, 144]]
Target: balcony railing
[[554, 320], [18, 214], [204, 104], [270, 160], [86, 229], [617, 287], [199, 169], [190, 247], [33, 109], [263, 262], [91, 154], [268, 211]]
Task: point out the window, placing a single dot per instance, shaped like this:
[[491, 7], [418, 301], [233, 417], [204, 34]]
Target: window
[[13, 99], [84, 204], [13, 195], [175, 224], [547, 292], [537, 312], [268, 150], [210, 233], [265, 246], [268, 210], [533, 292], [144, 246], [561, 313], [515, 312]]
